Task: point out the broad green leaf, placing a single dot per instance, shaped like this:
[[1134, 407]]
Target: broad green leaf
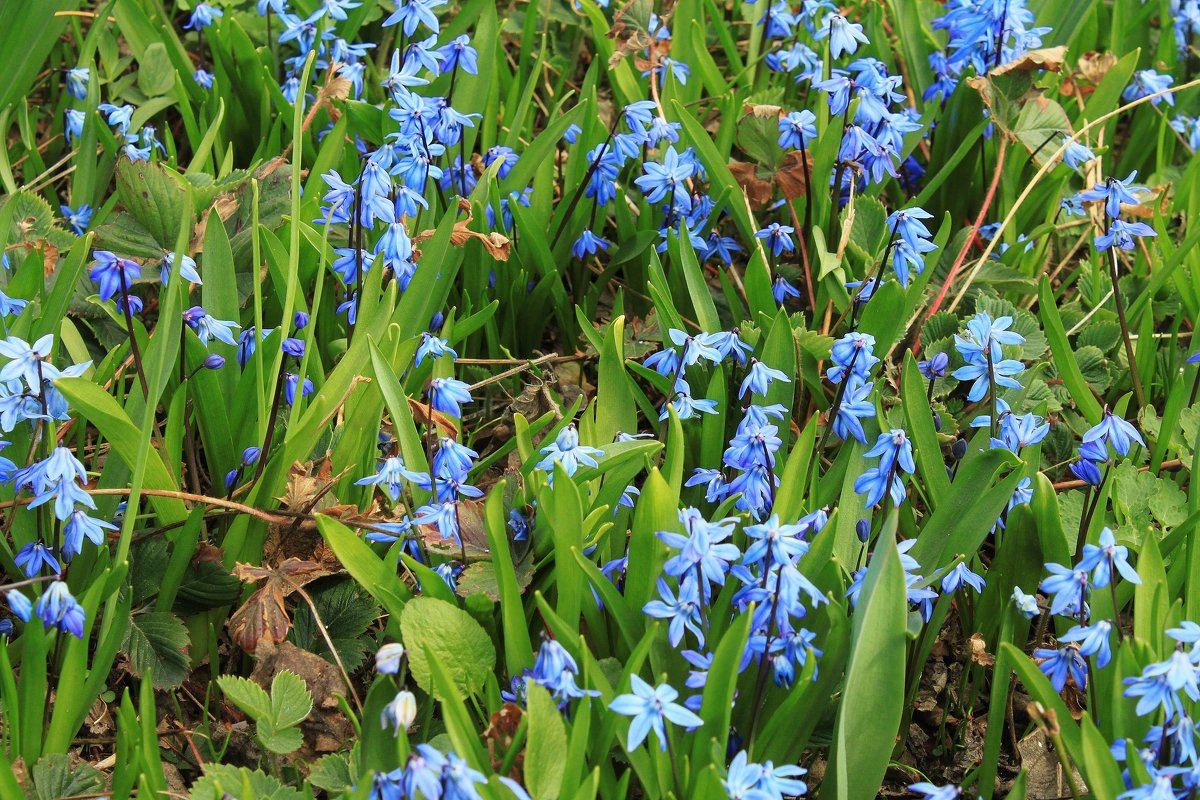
[[546, 745], [246, 695], [157, 642], [291, 702], [866, 728], [453, 637]]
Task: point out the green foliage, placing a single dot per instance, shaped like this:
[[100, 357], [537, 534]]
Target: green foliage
[[432, 629], [275, 715]]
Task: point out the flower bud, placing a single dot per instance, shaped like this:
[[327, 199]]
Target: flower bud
[[863, 529], [301, 320], [214, 361]]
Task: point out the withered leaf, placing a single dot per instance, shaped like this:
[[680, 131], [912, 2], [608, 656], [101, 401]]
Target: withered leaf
[[1049, 58], [792, 175], [979, 653], [264, 616], [1094, 66], [758, 191], [496, 244], [470, 528]]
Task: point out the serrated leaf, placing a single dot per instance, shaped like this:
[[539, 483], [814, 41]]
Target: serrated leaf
[[1102, 334], [453, 636], [1093, 366], [941, 325], [223, 780], [57, 775], [1039, 123], [480, 578], [206, 585], [246, 695], [154, 196], [291, 702], [332, 773], [158, 641], [149, 563], [347, 610], [284, 741]]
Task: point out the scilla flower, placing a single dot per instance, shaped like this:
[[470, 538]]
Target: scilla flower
[[650, 707], [567, 451]]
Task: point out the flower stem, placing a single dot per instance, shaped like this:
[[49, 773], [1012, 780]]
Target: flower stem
[[1120, 303], [133, 344]]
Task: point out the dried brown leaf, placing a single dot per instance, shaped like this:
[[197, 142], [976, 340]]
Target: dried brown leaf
[[1049, 58], [758, 191], [1094, 66], [264, 617], [979, 654], [792, 176]]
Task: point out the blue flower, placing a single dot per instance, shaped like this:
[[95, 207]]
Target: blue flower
[[1106, 556], [1113, 193], [1121, 233], [928, 791], [58, 609], [703, 550], [683, 610], [781, 290], [555, 670], [1025, 603], [856, 404], [1147, 82], [77, 81], [1093, 640], [1111, 430], [1068, 587], [650, 707], [567, 451], [19, 604], [935, 367], [209, 327], [959, 576], [661, 181], [1058, 665], [290, 382], [80, 526], [187, 269], [391, 476], [1020, 431], [115, 275], [78, 220], [797, 130], [1002, 372], [27, 361], [729, 343], [852, 354], [844, 36], [895, 455], [778, 238], [33, 556], [758, 380], [202, 16], [203, 78], [1076, 153], [448, 394], [713, 481], [412, 13], [1159, 684]]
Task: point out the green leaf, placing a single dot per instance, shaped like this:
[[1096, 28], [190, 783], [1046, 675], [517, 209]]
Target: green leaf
[[866, 728], [920, 422], [246, 695], [206, 585], [453, 636], [1063, 355], [155, 75], [283, 741], [332, 773], [157, 642], [291, 702], [155, 196], [347, 610], [57, 775], [224, 780], [546, 745], [368, 569]]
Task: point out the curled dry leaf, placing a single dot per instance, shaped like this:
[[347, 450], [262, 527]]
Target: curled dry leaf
[[496, 244], [979, 654], [792, 174], [264, 617], [1049, 58], [1094, 66], [763, 111], [424, 414]]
